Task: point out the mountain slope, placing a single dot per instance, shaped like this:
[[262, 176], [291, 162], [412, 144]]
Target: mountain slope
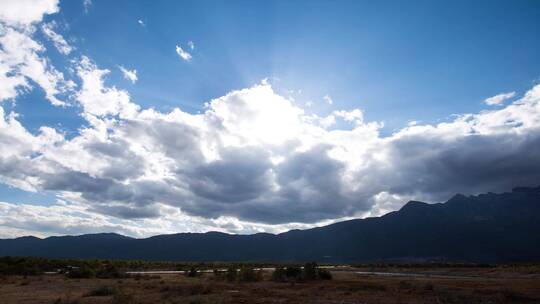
[[485, 228]]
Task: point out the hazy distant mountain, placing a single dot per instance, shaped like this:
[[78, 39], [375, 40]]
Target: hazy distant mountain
[[485, 228]]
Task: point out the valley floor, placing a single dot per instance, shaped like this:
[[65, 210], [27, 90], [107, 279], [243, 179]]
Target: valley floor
[[371, 285]]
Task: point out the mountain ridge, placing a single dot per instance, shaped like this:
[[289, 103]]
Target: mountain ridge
[[488, 227]]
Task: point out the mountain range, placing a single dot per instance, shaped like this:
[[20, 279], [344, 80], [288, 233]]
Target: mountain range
[[488, 228]]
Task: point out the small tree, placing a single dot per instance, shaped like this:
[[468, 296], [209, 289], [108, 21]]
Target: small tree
[[310, 271]]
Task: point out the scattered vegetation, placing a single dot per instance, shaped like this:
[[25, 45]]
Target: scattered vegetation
[[93, 281], [241, 274], [248, 274], [310, 271]]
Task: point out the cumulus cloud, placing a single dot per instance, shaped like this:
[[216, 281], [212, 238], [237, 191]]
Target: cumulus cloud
[[25, 12], [96, 98], [250, 161], [499, 99], [256, 159], [184, 55], [130, 75]]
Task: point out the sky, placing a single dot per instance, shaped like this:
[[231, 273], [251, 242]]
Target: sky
[[153, 117]]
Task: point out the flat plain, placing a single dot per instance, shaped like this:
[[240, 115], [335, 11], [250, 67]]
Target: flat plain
[[499, 284]]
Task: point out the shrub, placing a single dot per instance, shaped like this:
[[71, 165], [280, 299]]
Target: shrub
[[310, 271], [111, 272], [324, 274], [102, 291], [293, 272], [279, 275], [81, 273], [20, 266], [192, 272], [248, 274]]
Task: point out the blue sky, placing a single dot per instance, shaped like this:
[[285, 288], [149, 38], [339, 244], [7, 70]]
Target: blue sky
[[405, 67], [435, 58]]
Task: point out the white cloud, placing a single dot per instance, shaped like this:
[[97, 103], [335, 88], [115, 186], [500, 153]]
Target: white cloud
[[191, 45], [328, 99], [87, 4], [61, 218], [141, 23], [59, 42], [499, 99], [130, 75], [183, 54], [21, 59], [10, 85], [96, 98], [251, 161], [254, 161], [25, 12], [356, 115]]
